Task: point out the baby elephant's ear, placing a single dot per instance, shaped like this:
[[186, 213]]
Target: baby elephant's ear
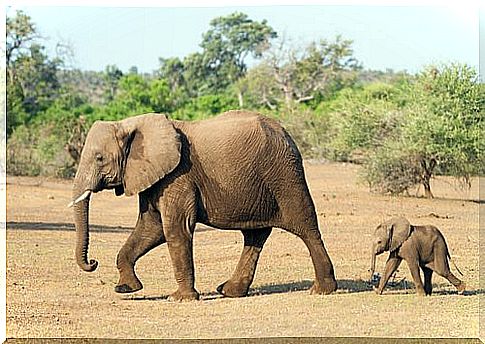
[[400, 231]]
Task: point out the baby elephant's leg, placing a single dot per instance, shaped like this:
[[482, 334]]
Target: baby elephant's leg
[[391, 266], [441, 267], [414, 268], [428, 273]]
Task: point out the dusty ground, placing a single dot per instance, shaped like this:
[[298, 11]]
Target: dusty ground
[[49, 296]]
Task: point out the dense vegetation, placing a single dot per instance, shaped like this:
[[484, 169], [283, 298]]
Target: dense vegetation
[[403, 128]]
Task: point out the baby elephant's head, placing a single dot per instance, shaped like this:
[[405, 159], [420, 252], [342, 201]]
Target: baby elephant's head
[[389, 236]]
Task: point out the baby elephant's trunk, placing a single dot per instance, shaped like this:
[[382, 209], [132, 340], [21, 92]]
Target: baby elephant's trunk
[[372, 264]]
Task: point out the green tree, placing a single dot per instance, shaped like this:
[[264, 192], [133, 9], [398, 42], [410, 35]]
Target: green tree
[[259, 88], [440, 132], [305, 74], [112, 76], [226, 47], [172, 70], [229, 42], [21, 32], [32, 83], [363, 119]]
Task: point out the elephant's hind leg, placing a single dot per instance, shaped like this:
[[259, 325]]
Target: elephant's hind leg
[[148, 234], [441, 267], [298, 216], [325, 282], [428, 273], [241, 279]]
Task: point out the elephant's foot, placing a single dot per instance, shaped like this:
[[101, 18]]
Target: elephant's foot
[[328, 287], [231, 289], [461, 288], [180, 296], [131, 286], [420, 292], [428, 290]]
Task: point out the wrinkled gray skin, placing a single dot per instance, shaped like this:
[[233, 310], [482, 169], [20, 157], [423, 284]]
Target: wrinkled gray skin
[[420, 246], [237, 171]]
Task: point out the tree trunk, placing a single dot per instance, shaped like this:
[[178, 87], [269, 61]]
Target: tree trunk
[[428, 169], [427, 188], [240, 99]]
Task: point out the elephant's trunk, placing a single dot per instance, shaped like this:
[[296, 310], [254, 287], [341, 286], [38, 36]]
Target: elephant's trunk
[[372, 263], [81, 221]]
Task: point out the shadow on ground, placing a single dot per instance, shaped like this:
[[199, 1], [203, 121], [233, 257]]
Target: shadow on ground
[[63, 226], [60, 226], [344, 287]]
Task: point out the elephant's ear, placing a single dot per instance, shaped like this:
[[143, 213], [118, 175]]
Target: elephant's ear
[[400, 229], [152, 147]]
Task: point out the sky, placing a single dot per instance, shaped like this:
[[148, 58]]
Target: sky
[[396, 37]]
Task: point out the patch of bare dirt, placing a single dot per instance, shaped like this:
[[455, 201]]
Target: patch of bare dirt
[[49, 296]]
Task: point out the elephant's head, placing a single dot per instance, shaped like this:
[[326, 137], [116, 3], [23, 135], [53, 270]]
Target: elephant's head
[[128, 156], [389, 236]]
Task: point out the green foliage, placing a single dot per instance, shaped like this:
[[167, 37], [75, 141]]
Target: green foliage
[[205, 106], [38, 150], [20, 31], [174, 73], [392, 169], [312, 133], [112, 76], [32, 83], [404, 129], [227, 44], [292, 75], [441, 128], [259, 88], [16, 114], [362, 120]]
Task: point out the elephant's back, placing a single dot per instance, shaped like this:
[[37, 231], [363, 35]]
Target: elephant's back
[[240, 132], [245, 166], [242, 138]]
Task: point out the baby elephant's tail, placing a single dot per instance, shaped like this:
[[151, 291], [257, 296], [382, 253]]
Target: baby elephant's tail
[[454, 264], [449, 256]]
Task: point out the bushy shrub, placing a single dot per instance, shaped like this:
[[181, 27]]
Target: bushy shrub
[[362, 120], [38, 150], [391, 170], [440, 131], [45, 146], [311, 132], [206, 106]]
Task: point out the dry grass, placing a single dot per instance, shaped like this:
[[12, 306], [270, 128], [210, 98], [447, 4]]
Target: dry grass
[[48, 295]]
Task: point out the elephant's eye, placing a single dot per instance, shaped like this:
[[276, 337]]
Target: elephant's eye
[[379, 242], [99, 158]]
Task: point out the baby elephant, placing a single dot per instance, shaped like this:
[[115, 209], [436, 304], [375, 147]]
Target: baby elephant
[[421, 246]]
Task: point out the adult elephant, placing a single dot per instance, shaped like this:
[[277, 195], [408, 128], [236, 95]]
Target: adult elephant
[[239, 170]]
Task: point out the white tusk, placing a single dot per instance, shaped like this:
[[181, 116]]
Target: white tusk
[[85, 195]]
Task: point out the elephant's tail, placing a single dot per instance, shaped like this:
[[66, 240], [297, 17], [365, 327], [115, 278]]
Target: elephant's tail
[[454, 264], [449, 256]]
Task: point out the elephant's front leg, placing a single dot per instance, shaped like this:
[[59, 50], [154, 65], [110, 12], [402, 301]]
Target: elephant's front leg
[[418, 283], [148, 234], [241, 279], [179, 237], [391, 266]]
